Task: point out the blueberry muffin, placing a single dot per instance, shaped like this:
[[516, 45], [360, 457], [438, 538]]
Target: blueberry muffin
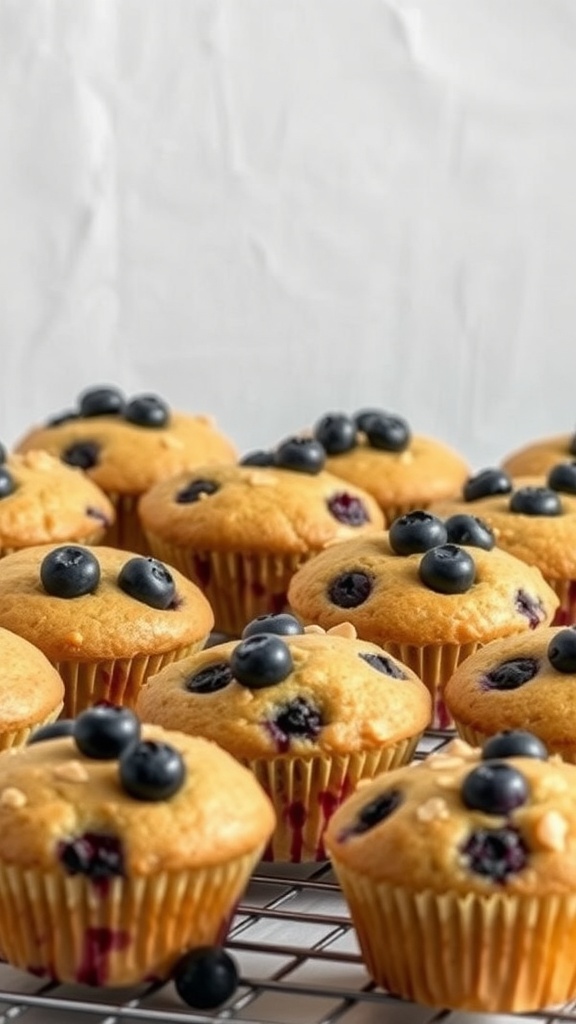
[[240, 532], [122, 848], [377, 451], [310, 713], [31, 691], [538, 457], [468, 860], [106, 619], [428, 602], [126, 446]]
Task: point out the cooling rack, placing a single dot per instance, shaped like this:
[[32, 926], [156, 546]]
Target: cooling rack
[[298, 958]]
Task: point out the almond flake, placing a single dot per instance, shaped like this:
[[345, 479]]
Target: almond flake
[[345, 629], [551, 830], [314, 629], [435, 808], [71, 771]]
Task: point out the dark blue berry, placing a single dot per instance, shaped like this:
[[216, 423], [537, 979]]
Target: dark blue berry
[[104, 731], [495, 853], [563, 477], [511, 674], [3, 454], [471, 531], [260, 660], [336, 433], [348, 509], [206, 977], [258, 457], [388, 433], [101, 402], [303, 454], [149, 581], [52, 731], [377, 810], [195, 489], [281, 623], [487, 483], [67, 416], [82, 454], [70, 572], [152, 771], [536, 501], [350, 589], [99, 857], [385, 665], [417, 531], [208, 680], [447, 569], [530, 607], [514, 743], [147, 411], [363, 417], [7, 483], [298, 719], [562, 651], [495, 787]]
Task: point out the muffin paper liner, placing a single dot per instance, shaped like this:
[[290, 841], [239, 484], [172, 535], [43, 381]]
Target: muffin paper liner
[[565, 591], [121, 932], [305, 793], [126, 532], [18, 737], [493, 953], [434, 664]]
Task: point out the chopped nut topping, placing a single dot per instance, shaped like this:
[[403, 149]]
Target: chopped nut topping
[[551, 830], [314, 629], [434, 808], [12, 797], [71, 771], [345, 629], [75, 638]]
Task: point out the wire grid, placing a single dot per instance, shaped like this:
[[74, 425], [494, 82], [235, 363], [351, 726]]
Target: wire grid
[[299, 962]]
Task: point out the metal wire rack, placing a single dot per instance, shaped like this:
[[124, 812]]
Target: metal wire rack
[[299, 963]]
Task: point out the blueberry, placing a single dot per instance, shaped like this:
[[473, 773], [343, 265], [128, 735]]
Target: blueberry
[[378, 810], [304, 454], [70, 572], [297, 718], [152, 771], [416, 531], [67, 416], [147, 411], [563, 477], [208, 680], [261, 660], [562, 651], [259, 457], [280, 623], [206, 977], [531, 607], [3, 454], [388, 433], [336, 433], [383, 664], [536, 501], [514, 743], [350, 589], [470, 530], [495, 788], [195, 490], [97, 856], [487, 483], [82, 454], [101, 402], [7, 484], [52, 731], [363, 417], [495, 853], [348, 509], [104, 731], [149, 581], [447, 569], [511, 674]]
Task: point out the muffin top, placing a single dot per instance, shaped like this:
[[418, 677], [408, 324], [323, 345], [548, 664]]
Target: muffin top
[[43, 501], [126, 446], [296, 694], [464, 821], [30, 687], [446, 594], [255, 509], [522, 682], [61, 809], [537, 457], [81, 603]]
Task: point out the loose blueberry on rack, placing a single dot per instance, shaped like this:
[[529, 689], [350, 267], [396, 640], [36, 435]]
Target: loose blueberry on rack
[[536, 501], [336, 433], [152, 771], [297, 719], [259, 457], [384, 665], [486, 484], [387, 433], [149, 581], [510, 674], [147, 411], [260, 660], [348, 509], [101, 402], [103, 732], [52, 731], [495, 788], [514, 743], [471, 531], [447, 569], [350, 589], [495, 853], [210, 679], [415, 532], [82, 454], [377, 810], [562, 651], [281, 623], [303, 454], [7, 483], [206, 977], [97, 856], [195, 490], [563, 477], [70, 572]]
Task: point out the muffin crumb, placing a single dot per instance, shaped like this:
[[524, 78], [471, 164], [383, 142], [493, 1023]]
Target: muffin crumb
[[13, 797]]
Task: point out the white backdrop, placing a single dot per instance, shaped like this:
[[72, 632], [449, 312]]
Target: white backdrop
[[269, 209]]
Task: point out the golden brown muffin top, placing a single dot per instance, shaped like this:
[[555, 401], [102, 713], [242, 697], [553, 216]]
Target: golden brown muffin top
[[51, 794], [30, 687], [51, 502], [339, 696], [393, 604], [414, 827], [107, 623], [536, 458], [257, 509]]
